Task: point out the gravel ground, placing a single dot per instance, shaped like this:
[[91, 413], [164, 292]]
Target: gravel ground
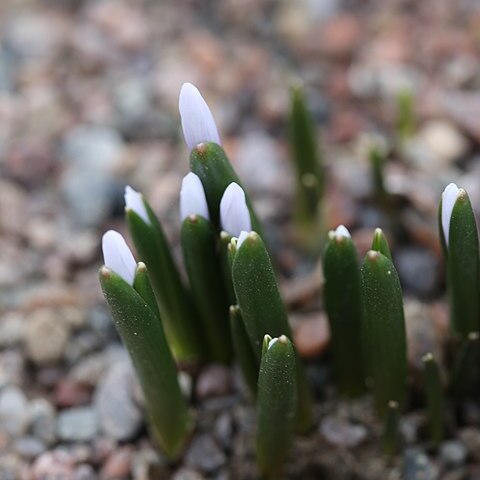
[[88, 103]]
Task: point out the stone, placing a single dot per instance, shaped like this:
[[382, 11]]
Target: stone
[[14, 413], [342, 433], [214, 381], [29, 447], [205, 455], [417, 465], [119, 415], [117, 465], [79, 424], [453, 453], [91, 154], [12, 367], [84, 471], [69, 393], [46, 336], [311, 334], [11, 329], [43, 420], [52, 465], [223, 430], [418, 269]]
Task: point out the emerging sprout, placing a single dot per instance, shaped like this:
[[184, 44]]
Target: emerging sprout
[[192, 198], [197, 121], [118, 257]]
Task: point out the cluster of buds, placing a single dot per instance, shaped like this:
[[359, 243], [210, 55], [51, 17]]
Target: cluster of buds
[[232, 309]]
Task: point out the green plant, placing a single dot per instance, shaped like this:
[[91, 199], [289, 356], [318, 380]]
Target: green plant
[[233, 307]]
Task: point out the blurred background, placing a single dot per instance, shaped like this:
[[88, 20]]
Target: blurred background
[[89, 103]]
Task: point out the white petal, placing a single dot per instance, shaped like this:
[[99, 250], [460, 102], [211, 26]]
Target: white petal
[[241, 238], [118, 257], [197, 121], [342, 231], [134, 201], [449, 197], [234, 213], [192, 198], [271, 343]]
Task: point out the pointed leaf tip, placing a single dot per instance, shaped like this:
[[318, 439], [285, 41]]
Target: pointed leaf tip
[[197, 120], [118, 257]]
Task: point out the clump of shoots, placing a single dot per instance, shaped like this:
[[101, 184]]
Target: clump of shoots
[[262, 308], [127, 288]]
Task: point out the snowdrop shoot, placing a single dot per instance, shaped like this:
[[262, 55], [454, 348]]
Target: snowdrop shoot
[[234, 213], [198, 124], [192, 198], [449, 197], [118, 257], [134, 201]]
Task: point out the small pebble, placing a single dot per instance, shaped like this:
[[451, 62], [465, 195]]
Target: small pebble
[[342, 433], [214, 381], [29, 447], [453, 453], [204, 454], [78, 424], [14, 413]]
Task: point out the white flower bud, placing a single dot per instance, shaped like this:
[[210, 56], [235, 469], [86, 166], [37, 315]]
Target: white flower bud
[[192, 198], [234, 213], [341, 231], [118, 257], [134, 201], [241, 238], [449, 197], [197, 121]]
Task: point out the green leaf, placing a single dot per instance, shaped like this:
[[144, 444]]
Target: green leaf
[[276, 406], [210, 163], [141, 331], [198, 239], [306, 158], [342, 294], [380, 243], [243, 350], [405, 115], [176, 307], [263, 310], [384, 329], [463, 272], [465, 374], [226, 256], [378, 159], [435, 400], [391, 433]]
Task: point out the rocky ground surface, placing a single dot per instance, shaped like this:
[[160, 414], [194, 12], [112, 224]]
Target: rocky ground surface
[[88, 103]]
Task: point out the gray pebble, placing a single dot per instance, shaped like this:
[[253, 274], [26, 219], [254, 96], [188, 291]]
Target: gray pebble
[[417, 466], [119, 415], [42, 414], [77, 424], [29, 447], [14, 414], [453, 453], [205, 455]]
